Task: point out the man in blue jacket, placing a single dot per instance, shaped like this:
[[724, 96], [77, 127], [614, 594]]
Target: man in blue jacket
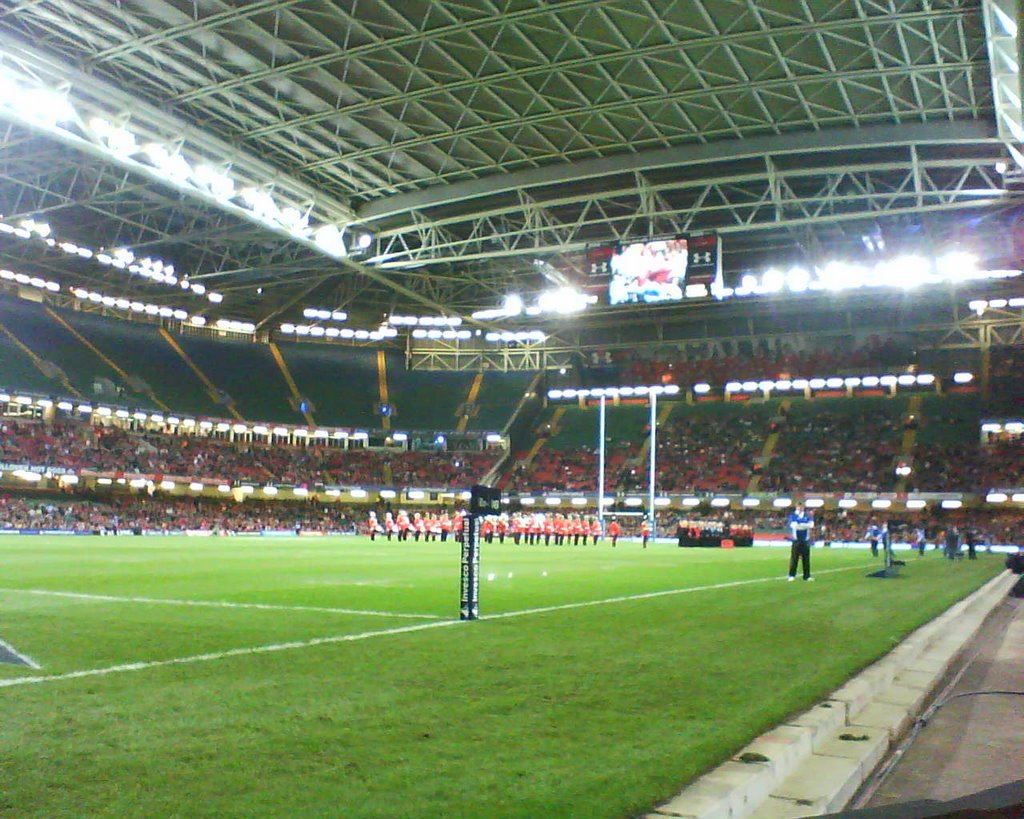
[[800, 523]]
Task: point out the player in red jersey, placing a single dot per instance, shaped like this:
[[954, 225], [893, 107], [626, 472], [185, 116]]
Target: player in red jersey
[[372, 526], [645, 531], [446, 526], [595, 530], [390, 527], [403, 524], [614, 530]]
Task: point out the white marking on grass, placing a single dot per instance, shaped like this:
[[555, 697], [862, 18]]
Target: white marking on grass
[[366, 635], [23, 657], [226, 604]]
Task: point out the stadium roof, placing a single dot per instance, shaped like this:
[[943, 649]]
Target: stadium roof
[[474, 138]]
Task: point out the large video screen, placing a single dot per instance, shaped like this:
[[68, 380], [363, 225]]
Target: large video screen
[[648, 272]]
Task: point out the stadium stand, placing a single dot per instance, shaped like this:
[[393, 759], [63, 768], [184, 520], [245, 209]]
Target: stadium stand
[[425, 400], [341, 383], [1006, 383], [948, 453], [52, 342], [568, 459], [140, 352], [84, 447], [712, 447], [245, 372], [846, 444], [499, 395], [17, 370]]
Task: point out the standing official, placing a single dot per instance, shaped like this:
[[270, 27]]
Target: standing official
[[800, 523]]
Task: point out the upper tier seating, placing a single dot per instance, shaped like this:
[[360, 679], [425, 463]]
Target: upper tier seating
[[52, 342], [568, 459], [341, 382], [422, 399], [140, 351], [838, 444], [711, 447], [248, 373], [82, 446]]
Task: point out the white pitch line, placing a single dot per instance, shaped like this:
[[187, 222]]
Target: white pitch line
[[226, 604], [23, 657], [366, 635]]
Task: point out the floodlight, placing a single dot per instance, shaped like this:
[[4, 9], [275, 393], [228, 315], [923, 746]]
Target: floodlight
[[881, 503], [749, 503], [702, 389], [782, 503], [952, 503], [814, 503], [963, 378], [691, 502], [720, 502]]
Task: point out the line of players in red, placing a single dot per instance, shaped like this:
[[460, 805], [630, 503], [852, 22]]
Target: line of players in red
[[529, 529]]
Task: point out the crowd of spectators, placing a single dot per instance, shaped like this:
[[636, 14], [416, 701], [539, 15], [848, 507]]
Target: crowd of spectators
[[575, 470], [876, 354], [1006, 383], [830, 450], [81, 446], [710, 453]]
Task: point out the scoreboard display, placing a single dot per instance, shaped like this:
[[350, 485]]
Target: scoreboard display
[[660, 270]]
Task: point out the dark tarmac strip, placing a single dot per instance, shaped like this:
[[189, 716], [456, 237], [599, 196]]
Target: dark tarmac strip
[[972, 744]]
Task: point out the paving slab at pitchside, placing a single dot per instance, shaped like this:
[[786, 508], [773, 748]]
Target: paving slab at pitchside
[[815, 762]]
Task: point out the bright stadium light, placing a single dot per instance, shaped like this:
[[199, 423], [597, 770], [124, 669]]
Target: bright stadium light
[[782, 503], [702, 388], [916, 504], [881, 503], [951, 503], [720, 502], [963, 378], [750, 503], [814, 503], [691, 502]]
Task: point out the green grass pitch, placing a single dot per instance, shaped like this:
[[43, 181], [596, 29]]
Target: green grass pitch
[[558, 708]]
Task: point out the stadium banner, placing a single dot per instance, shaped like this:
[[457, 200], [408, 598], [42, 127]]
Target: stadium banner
[[278, 533], [198, 533], [42, 470], [312, 534]]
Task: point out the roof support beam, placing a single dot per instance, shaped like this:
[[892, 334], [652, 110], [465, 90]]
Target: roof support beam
[[878, 136]]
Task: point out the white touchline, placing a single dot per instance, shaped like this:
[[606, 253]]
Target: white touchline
[[366, 635], [23, 657], [226, 604]]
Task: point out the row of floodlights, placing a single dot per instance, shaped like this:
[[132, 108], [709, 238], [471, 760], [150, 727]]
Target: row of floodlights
[[753, 503], [219, 426], [47, 108], [29, 281], [425, 321], [907, 272], [1012, 427], [979, 306], [913, 504], [614, 392], [507, 336], [123, 258], [324, 315], [561, 301], [135, 306], [338, 332], [446, 335], [835, 383]]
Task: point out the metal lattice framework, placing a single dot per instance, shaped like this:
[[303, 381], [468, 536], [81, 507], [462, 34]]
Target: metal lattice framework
[[475, 137]]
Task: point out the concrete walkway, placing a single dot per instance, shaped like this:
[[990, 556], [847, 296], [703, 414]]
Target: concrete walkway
[[828, 759], [972, 743]]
